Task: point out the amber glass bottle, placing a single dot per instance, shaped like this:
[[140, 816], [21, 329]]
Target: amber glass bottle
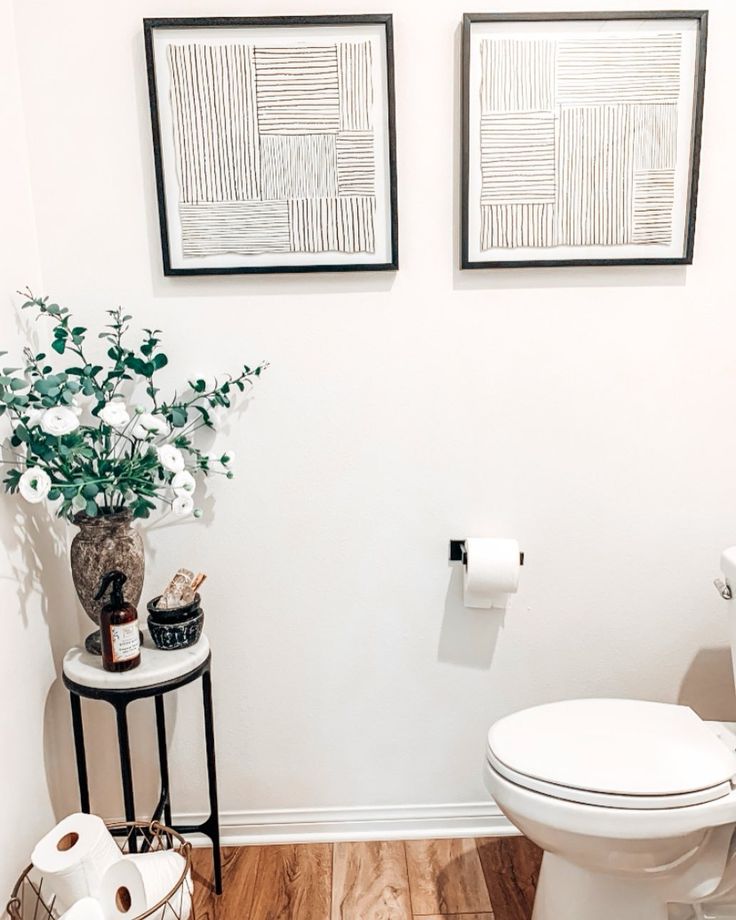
[[121, 647]]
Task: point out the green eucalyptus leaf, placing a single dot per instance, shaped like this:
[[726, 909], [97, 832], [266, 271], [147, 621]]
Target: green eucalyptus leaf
[[91, 508], [178, 417], [59, 346]]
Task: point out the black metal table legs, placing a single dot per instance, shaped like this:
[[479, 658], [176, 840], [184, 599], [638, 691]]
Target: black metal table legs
[[213, 822], [164, 802], [79, 750], [211, 826], [120, 700]]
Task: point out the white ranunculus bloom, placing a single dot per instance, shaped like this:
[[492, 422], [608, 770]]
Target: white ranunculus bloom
[[59, 420], [34, 417], [34, 485], [182, 505], [183, 483], [149, 426], [171, 458], [115, 415]]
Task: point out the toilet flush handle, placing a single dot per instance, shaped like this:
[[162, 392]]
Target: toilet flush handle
[[723, 589]]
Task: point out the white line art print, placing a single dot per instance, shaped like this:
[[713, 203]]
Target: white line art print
[[274, 147], [578, 140]]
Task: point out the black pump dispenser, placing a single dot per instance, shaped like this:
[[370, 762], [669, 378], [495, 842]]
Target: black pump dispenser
[[117, 579], [121, 647]]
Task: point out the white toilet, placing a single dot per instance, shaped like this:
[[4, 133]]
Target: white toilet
[[633, 803]]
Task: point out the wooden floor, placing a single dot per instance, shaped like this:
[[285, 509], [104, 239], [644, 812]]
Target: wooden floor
[[483, 879]]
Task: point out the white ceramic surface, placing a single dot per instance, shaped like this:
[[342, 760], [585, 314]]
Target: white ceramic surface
[[588, 745], [549, 768], [155, 667]]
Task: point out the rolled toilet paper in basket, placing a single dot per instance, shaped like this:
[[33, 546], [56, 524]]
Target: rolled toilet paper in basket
[[491, 571], [139, 881], [84, 909], [74, 857]]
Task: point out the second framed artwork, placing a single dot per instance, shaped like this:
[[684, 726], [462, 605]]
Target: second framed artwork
[[274, 143], [581, 137]]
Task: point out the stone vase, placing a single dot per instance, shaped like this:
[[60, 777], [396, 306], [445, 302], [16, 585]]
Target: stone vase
[[103, 543]]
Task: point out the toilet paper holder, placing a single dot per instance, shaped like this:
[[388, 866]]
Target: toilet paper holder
[[459, 555]]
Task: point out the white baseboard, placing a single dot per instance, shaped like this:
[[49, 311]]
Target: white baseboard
[[317, 825]]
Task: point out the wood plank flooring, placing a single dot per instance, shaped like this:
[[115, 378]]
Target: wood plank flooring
[[492, 878]]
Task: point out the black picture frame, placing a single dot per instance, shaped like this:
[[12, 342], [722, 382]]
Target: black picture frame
[[469, 19], [220, 22]]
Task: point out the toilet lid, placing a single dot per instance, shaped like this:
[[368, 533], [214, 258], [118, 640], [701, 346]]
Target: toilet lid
[[612, 750]]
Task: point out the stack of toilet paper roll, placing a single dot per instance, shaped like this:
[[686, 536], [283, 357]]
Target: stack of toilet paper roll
[[91, 879]]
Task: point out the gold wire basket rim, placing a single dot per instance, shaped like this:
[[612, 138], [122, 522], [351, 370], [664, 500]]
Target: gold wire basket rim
[[155, 828]]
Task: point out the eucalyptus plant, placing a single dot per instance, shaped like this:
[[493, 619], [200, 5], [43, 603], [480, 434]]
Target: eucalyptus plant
[[96, 437]]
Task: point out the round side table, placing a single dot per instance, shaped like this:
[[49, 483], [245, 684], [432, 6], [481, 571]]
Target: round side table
[[158, 673]]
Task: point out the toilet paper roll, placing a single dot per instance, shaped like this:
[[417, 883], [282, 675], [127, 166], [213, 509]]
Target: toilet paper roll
[[74, 857], [85, 909], [138, 882], [491, 571]]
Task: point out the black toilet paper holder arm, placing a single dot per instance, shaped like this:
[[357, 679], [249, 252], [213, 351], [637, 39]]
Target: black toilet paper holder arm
[[459, 553]]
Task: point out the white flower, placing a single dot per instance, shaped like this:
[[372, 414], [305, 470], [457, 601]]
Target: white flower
[[115, 415], [34, 485], [171, 458], [182, 505], [183, 483], [59, 420], [148, 426], [221, 462], [34, 417]]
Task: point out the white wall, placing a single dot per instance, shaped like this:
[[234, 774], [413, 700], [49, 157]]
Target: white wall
[[585, 411], [26, 661]]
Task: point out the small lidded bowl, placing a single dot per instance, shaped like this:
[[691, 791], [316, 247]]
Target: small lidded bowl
[[172, 636], [176, 627]]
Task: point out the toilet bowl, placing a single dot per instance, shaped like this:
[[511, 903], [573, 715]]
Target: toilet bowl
[[633, 803]]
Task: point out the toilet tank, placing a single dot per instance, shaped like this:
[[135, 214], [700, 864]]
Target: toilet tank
[[728, 567]]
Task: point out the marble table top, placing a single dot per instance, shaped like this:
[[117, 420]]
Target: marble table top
[[156, 666]]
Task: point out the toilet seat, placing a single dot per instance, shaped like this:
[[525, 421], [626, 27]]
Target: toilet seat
[[609, 800], [623, 754]]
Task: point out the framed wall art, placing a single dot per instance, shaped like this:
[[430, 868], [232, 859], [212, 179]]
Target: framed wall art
[[581, 137], [274, 143]]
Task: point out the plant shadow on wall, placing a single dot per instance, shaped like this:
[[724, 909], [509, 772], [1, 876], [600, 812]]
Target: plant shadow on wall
[[37, 554], [468, 636], [537, 278]]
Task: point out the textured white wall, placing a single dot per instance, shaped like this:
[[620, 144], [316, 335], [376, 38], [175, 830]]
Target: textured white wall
[[585, 411], [26, 660]]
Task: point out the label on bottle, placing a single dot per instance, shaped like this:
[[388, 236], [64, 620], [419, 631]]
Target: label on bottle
[[126, 642]]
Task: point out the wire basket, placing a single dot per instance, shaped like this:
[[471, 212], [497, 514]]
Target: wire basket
[[29, 900]]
